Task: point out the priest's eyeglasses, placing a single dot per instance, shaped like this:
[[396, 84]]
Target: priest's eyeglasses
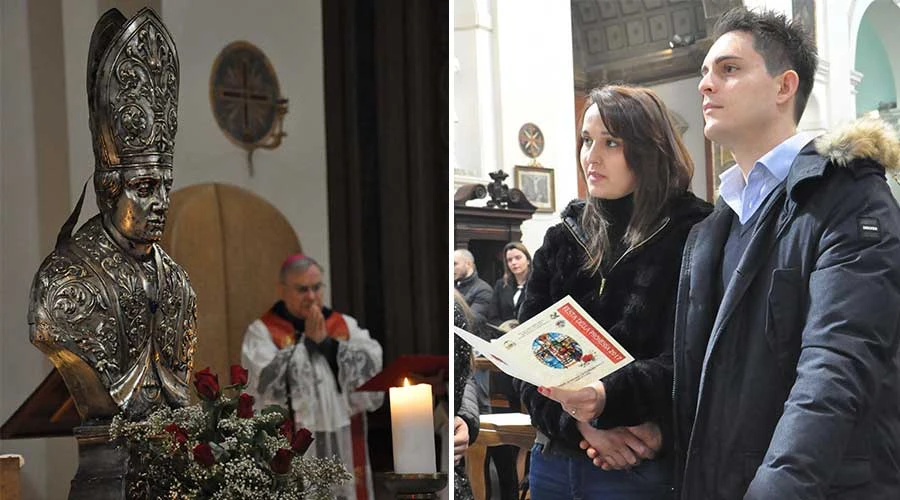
[[302, 289]]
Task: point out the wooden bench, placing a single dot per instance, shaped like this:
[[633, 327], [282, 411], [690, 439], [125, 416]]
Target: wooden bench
[[495, 430]]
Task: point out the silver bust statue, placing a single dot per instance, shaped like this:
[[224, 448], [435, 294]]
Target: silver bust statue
[[112, 311]]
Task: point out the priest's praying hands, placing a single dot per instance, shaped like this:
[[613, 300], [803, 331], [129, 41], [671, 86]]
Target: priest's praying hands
[[583, 404], [315, 324]]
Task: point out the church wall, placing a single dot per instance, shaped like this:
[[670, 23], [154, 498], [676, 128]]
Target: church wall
[[535, 79], [26, 220], [683, 98], [476, 103], [292, 177]]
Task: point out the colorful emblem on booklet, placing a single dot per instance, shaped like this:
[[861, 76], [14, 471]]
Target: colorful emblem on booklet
[[557, 350]]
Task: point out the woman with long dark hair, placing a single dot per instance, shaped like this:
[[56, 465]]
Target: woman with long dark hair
[[508, 290], [618, 254]]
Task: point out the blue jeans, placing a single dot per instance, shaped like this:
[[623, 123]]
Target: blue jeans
[[556, 477]]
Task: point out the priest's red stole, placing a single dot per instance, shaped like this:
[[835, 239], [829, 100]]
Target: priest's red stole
[[282, 330]]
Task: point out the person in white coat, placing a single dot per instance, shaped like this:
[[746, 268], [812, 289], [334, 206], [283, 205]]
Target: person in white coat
[[310, 359]]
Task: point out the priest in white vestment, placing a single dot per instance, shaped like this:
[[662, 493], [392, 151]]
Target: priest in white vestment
[[309, 359]]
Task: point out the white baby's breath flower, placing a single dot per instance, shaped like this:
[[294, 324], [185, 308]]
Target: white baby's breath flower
[[242, 447]]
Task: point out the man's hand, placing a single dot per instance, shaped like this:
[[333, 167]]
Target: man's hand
[[649, 434], [622, 447], [584, 404], [460, 438], [315, 324]]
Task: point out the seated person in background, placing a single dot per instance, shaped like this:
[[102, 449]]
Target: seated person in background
[[477, 295], [474, 290], [509, 290], [309, 358]]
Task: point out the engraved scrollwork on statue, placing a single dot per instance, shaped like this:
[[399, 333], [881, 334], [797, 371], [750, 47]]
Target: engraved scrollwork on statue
[[132, 300], [189, 337], [170, 309], [106, 336], [144, 113], [72, 301], [70, 306]]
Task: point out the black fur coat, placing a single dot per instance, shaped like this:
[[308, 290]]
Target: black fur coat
[[632, 298]]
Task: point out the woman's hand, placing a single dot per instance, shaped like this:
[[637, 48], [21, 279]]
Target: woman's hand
[[621, 447], [583, 404], [460, 438]]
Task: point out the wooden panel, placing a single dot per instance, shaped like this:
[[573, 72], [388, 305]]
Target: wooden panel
[[193, 238], [256, 239], [9, 477], [231, 242]]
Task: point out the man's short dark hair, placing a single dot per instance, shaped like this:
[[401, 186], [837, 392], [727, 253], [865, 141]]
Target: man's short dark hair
[[782, 43]]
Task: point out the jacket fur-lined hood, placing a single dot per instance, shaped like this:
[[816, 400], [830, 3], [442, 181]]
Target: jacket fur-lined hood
[[870, 138]]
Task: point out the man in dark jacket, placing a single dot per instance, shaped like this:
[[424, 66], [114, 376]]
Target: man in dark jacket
[[787, 378], [475, 290]]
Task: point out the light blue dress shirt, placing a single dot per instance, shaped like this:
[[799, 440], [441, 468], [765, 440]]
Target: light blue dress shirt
[[745, 197]]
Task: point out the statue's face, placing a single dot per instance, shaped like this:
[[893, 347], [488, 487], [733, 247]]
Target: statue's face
[[140, 212]]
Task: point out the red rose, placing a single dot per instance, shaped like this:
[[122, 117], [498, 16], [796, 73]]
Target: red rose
[[245, 406], [287, 429], [238, 375], [281, 462], [203, 455], [301, 441], [207, 384], [178, 433]]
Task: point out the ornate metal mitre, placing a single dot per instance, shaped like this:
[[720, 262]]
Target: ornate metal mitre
[[132, 85], [119, 326]]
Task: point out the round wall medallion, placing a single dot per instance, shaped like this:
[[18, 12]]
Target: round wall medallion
[[244, 94], [531, 140]]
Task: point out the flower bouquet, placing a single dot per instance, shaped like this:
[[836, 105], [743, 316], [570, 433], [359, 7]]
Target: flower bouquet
[[220, 449]]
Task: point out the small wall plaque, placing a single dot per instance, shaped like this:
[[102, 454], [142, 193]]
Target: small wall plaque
[[246, 99]]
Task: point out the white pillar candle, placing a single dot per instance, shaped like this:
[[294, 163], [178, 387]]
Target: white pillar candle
[[412, 429]]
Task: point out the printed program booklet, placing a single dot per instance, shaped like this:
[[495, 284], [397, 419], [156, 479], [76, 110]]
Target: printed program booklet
[[562, 346]]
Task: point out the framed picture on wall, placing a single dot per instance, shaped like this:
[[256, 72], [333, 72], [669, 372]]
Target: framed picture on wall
[[537, 185]]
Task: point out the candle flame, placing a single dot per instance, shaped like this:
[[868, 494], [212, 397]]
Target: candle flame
[[405, 382]]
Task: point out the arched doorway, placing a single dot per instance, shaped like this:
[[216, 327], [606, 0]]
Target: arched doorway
[[876, 58]]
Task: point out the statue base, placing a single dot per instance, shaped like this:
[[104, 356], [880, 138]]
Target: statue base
[[102, 468]]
